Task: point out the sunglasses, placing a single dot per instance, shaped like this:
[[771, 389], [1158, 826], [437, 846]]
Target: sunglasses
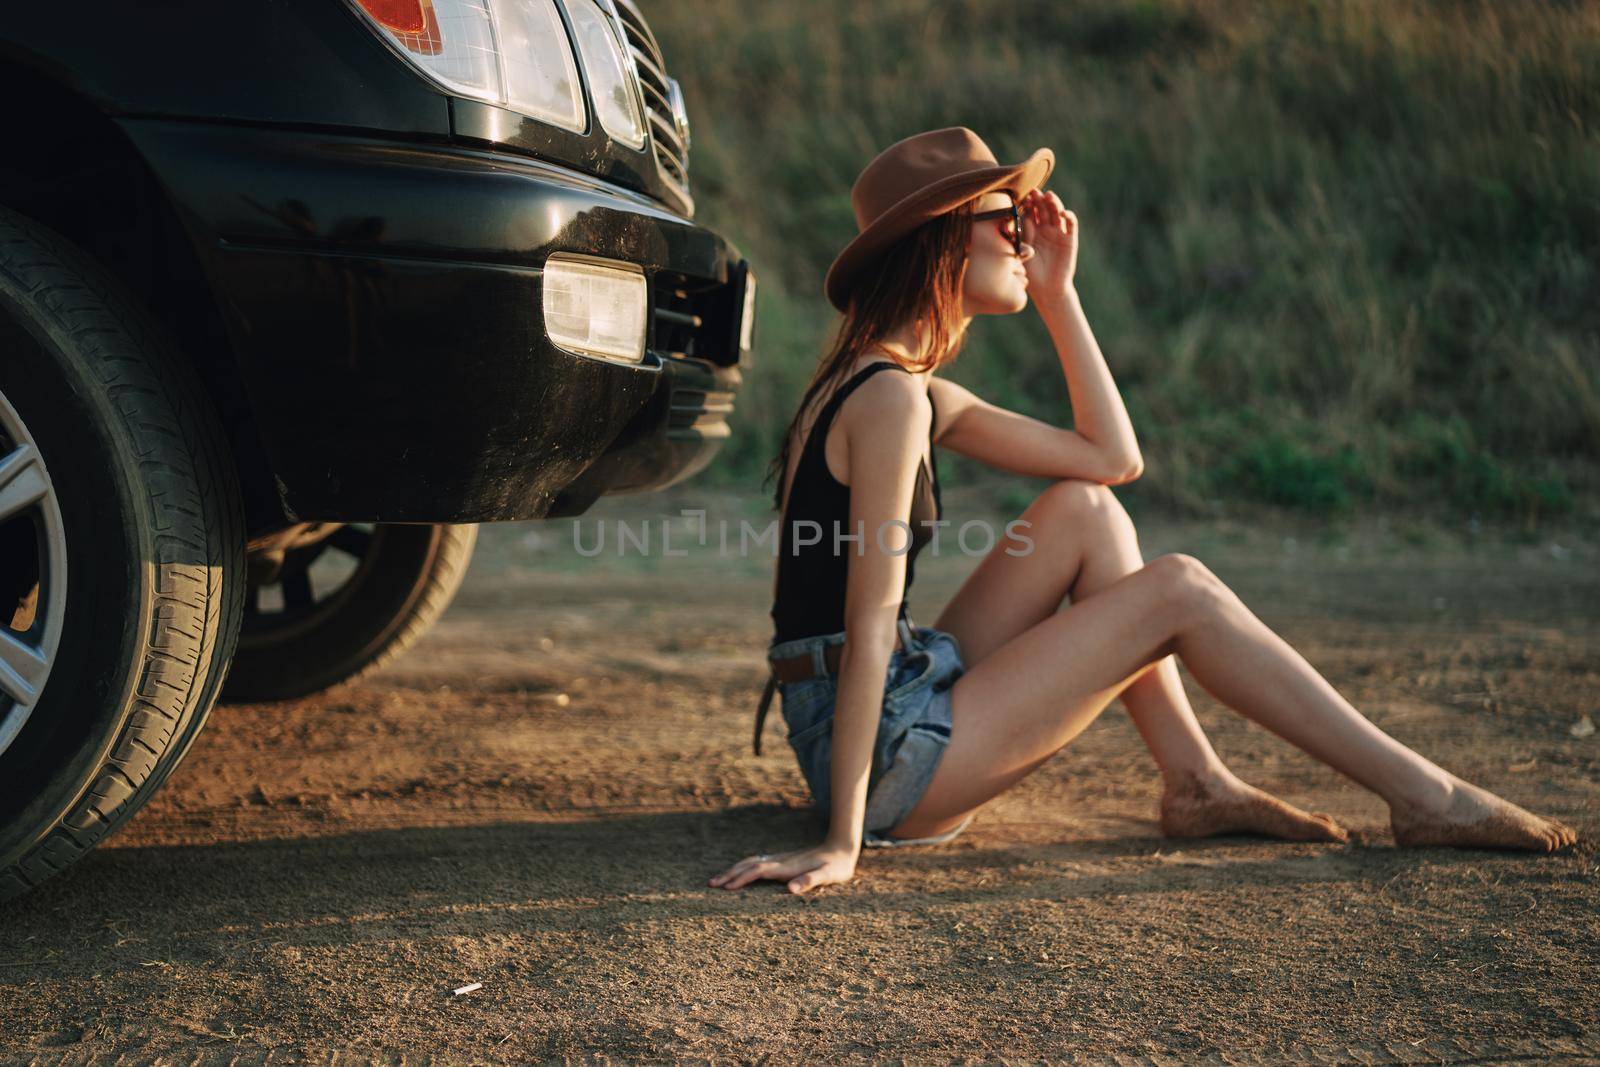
[[1011, 228]]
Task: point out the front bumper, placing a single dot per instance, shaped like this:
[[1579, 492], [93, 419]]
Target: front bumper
[[383, 302]]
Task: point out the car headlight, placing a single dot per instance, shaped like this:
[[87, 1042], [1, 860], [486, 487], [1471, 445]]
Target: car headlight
[[610, 76], [515, 53]]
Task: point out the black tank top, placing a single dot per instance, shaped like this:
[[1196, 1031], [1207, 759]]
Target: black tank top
[[811, 577]]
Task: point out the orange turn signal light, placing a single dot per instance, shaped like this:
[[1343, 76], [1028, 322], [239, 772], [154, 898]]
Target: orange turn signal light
[[412, 22]]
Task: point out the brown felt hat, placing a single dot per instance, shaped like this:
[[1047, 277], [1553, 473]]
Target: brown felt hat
[[918, 179]]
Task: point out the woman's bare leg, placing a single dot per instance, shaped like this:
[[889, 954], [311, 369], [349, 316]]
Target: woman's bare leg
[[1083, 541], [1024, 701]]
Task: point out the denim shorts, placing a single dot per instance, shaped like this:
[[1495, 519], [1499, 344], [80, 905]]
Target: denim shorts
[[913, 730]]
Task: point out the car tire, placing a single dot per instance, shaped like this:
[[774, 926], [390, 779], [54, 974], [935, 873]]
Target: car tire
[[122, 496], [404, 578]]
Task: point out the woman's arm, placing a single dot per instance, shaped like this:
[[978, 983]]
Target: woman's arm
[[1101, 446], [1011, 441], [1097, 409], [884, 436]]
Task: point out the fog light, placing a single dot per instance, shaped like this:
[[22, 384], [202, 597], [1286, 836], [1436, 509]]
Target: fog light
[[596, 309]]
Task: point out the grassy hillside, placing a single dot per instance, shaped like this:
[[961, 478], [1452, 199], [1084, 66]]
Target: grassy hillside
[[1338, 254]]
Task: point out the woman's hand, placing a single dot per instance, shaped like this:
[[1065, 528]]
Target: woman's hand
[[804, 868], [1052, 230]]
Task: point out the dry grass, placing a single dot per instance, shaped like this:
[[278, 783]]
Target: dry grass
[[1336, 253]]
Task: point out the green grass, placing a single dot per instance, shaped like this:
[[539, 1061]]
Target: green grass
[[1338, 255]]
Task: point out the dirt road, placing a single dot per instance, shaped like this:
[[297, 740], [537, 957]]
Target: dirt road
[[534, 797]]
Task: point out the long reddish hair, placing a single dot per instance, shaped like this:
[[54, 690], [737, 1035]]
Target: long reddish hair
[[918, 278]]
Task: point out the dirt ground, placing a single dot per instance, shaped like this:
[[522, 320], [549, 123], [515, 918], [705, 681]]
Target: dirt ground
[[534, 797]]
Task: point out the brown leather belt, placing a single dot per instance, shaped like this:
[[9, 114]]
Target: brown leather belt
[[799, 668], [803, 667]]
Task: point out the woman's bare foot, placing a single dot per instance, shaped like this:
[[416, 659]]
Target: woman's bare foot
[[1471, 817], [1192, 806]]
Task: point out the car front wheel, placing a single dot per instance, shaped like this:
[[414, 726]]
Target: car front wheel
[[121, 555]]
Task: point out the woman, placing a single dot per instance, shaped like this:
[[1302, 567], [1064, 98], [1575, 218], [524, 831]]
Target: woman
[[902, 732]]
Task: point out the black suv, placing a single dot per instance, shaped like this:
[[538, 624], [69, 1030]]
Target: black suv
[[292, 293]]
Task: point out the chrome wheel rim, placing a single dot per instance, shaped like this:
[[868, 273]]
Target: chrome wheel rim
[[30, 635]]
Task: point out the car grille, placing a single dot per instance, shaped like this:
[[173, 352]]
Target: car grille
[[691, 324], [680, 320], [699, 408], [672, 154], [696, 318]]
